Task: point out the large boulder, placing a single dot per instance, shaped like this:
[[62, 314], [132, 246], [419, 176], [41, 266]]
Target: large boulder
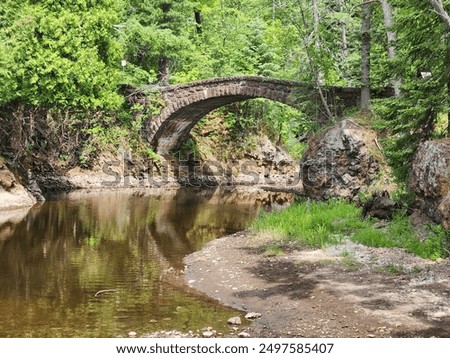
[[340, 161], [429, 180], [12, 194]]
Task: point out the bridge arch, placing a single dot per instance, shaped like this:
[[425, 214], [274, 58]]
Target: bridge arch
[[187, 104]]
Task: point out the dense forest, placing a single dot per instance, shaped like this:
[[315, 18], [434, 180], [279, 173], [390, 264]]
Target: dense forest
[[68, 61]]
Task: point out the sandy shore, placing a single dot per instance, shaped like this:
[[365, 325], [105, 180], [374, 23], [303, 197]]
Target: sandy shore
[[345, 291]]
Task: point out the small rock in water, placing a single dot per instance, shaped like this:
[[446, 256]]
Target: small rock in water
[[243, 335], [253, 315], [132, 334], [235, 321]]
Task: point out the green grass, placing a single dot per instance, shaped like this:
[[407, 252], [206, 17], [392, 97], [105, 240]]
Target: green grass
[[314, 224], [350, 263], [318, 224], [399, 233], [273, 250]]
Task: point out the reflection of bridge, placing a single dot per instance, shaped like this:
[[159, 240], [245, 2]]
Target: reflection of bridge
[[187, 104]]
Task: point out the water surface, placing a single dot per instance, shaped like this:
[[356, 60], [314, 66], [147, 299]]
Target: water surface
[[103, 264]]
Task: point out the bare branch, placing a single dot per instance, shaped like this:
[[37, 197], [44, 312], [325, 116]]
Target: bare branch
[[104, 291], [439, 8]]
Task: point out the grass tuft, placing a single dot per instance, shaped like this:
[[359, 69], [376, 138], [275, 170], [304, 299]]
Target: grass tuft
[[318, 224]]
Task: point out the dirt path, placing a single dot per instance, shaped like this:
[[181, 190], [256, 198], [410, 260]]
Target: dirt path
[[345, 291]]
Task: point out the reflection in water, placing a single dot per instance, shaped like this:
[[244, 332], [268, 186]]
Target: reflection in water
[[58, 256]]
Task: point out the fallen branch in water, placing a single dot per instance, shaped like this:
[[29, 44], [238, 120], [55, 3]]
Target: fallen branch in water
[[104, 291]]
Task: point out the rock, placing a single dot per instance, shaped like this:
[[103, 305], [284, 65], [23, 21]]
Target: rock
[[252, 315], [33, 187], [379, 206], [132, 334], [444, 212], [340, 161], [234, 321], [270, 153], [7, 179], [244, 335], [208, 332], [12, 194], [429, 180]]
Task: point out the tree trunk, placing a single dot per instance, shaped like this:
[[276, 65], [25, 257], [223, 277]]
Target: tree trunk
[[166, 7], [163, 61], [448, 81], [198, 21], [365, 57], [317, 38], [392, 39], [313, 65], [316, 22], [344, 44], [437, 5], [163, 70], [343, 32]]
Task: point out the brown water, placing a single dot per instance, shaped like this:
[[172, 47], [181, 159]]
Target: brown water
[[104, 264]]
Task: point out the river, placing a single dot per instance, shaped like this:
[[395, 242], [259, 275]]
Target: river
[[103, 264]]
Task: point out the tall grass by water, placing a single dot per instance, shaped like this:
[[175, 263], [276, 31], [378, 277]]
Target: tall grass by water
[[318, 224]]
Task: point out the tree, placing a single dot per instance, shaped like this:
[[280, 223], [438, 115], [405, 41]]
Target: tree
[[62, 54], [158, 37], [392, 39], [439, 7], [8, 85], [343, 31], [413, 117], [365, 56]]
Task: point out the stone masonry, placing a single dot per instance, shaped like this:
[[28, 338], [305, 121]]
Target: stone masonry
[[187, 104]]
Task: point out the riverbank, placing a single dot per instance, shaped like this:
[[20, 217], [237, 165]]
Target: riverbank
[[344, 291], [13, 195], [266, 167]]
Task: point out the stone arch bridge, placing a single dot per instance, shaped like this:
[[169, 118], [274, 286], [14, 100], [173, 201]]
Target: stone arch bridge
[[186, 104]]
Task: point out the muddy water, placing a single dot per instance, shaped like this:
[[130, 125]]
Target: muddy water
[[105, 264]]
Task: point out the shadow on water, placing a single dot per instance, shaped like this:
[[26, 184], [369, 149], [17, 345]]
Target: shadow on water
[[55, 258]]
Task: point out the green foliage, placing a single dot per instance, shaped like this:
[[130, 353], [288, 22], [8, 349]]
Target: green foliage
[[75, 54], [350, 263], [318, 224], [154, 29], [7, 83], [412, 118], [272, 250], [60, 53], [187, 150], [92, 240], [400, 233], [105, 136]]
